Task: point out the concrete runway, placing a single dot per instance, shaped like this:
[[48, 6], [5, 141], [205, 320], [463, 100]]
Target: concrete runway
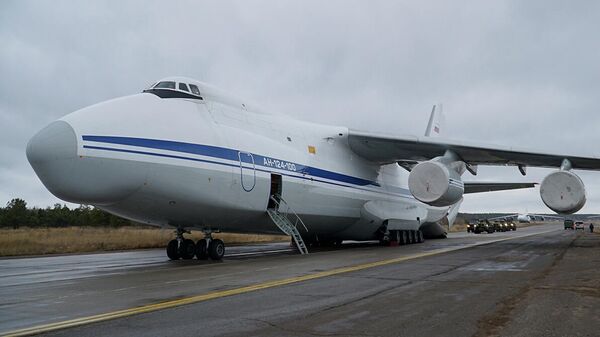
[[542, 281]]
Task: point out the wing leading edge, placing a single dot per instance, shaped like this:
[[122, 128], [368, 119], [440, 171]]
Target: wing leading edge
[[385, 149]]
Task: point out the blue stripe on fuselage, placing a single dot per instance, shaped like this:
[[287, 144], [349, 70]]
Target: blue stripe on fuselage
[[228, 154]]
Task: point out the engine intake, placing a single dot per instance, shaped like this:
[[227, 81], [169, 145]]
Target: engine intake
[[435, 184], [563, 192]]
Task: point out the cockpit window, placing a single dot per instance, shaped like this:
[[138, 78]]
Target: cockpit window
[[195, 90], [165, 85], [173, 89]]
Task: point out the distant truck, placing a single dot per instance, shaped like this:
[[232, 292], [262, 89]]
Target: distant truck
[[569, 224], [500, 227], [483, 226], [579, 225]]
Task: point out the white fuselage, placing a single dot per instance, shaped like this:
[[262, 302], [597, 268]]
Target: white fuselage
[[525, 218], [213, 164]]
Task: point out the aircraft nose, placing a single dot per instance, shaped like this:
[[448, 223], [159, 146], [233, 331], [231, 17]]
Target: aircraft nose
[[52, 152], [54, 142]]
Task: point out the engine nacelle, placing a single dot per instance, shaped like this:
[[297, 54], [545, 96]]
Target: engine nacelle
[[435, 184], [563, 192]]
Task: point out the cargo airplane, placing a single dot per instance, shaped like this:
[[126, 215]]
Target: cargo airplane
[[186, 155], [528, 217]]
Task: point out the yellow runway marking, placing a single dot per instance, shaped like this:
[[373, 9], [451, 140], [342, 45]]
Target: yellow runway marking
[[224, 293]]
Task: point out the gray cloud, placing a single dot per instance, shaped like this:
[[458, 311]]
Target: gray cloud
[[508, 72]]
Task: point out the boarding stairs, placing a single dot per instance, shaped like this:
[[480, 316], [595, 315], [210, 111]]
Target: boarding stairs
[[287, 220]]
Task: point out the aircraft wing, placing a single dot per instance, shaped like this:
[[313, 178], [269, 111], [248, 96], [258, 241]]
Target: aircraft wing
[[548, 216], [385, 149], [531, 215], [479, 187], [506, 217]]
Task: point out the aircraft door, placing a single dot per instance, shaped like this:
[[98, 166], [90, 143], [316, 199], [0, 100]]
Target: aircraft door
[[276, 185], [247, 171]]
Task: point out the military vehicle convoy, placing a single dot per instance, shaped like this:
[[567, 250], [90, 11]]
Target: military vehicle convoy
[[484, 225]]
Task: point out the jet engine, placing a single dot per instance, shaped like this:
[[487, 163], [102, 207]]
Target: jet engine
[[563, 192], [435, 184]]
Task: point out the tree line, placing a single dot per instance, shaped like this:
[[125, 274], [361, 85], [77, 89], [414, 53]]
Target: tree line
[[16, 214]]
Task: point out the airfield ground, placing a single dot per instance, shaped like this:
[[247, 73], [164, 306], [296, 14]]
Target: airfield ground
[[538, 281], [76, 239]]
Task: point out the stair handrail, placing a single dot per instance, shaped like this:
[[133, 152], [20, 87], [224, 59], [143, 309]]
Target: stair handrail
[[278, 200]]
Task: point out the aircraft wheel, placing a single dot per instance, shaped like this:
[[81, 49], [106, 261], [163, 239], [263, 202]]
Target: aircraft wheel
[[403, 237], [411, 237], [187, 249], [420, 237], [216, 249], [173, 250], [201, 249], [385, 241]]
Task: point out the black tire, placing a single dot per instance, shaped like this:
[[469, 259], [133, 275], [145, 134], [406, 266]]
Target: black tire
[[420, 237], [173, 250], [411, 237], [187, 250], [385, 241], [201, 249], [403, 238], [216, 249]]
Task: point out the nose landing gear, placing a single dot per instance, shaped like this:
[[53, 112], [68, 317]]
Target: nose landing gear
[[186, 249], [209, 247], [180, 247], [216, 249]]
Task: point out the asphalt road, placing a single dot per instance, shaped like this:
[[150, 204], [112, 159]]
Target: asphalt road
[[531, 285]]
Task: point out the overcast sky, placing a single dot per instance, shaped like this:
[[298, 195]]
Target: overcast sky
[[524, 73]]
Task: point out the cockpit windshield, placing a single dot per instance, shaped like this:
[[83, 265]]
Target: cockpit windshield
[[195, 90], [172, 89], [165, 85], [183, 86]]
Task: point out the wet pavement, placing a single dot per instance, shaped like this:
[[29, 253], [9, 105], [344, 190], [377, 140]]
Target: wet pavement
[[475, 289]]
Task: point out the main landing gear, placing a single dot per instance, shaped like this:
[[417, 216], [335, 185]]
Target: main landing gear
[[186, 249], [403, 237]]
